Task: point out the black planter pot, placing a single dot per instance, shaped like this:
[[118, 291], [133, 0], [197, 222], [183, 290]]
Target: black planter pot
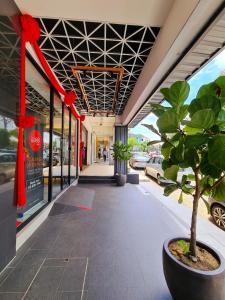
[[121, 179], [186, 283]]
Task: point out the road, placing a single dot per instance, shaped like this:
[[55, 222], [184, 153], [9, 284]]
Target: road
[[187, 199]]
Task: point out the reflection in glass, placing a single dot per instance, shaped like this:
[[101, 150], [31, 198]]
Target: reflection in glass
[[9, 106], [66, 146], [56, 145], [73, 159]]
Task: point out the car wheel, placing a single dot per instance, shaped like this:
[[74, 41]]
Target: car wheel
[[158, 179], [218, 214]]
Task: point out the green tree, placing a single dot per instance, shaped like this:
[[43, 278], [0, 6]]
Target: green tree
[[4, 138], [132, 141], [193, 135]]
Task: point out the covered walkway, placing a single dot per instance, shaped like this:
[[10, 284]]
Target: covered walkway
[[99, 242], [99, 168]]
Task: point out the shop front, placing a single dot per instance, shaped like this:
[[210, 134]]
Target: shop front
[[50, 144], [51, 152]]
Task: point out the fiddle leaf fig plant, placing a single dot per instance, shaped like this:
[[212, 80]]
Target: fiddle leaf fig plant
[[121, 152], [193, 136]]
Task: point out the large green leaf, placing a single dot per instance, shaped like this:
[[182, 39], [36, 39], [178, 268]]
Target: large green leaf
[[217, 151], [153, 142], [168, 122], [220, 81], [158, 109], [221, 119], [177, 93], [196, 140], [166, 164], [203, 119], [152, 128], [222, 101], [191, 158], [205, 102], [208, 169], [165, 150], [171, 172], [190, 131], [181, 199], [207, 89], [179, 153], [170, 189], [182, 112], [219, 191]]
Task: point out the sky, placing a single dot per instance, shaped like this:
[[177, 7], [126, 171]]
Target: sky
[[207, 74]]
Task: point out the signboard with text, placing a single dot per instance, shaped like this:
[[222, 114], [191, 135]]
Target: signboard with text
[[33, 142]]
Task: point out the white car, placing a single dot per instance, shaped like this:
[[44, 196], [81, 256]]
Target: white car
[[154, 169], [139, 160]]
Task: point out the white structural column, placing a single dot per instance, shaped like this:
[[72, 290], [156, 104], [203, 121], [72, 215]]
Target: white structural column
[[183, 23]]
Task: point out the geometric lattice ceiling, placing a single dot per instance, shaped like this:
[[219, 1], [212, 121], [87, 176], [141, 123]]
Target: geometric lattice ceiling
[[9, 56], [67, 43]]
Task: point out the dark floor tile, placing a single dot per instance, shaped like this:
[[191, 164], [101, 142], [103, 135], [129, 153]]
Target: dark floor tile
[[45, 284], [5, 273], [110, 293], [114, 268], [11, 296], [19, 279], [33, 257], [56, 262], [73, 276]]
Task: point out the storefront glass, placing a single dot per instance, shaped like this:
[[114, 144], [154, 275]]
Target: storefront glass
[[66, 152], [36, 143], [74, 152], [9, 106], [57, 147]]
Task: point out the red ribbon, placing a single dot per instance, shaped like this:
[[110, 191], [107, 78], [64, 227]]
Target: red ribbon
[[69, 98]]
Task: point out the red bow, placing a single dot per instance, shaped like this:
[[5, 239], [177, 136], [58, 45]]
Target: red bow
[[25, 121], [30, 28], [69, 98]]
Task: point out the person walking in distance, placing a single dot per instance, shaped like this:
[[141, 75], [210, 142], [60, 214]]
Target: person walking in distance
[[99, 153], [104, 154]]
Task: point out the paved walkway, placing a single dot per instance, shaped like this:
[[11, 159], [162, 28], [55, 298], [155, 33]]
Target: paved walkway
[[100, 242], [98, 169]]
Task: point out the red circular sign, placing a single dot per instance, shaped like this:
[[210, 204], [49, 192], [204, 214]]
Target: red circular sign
[[35, 140]]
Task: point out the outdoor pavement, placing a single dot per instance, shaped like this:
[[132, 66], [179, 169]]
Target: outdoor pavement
[[100, 242], [99, 168]]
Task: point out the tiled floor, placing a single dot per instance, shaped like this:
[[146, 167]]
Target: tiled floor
[[99, 168], [108, 250]]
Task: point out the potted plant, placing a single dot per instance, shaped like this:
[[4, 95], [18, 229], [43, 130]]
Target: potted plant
[[193, 136], [121, 152]]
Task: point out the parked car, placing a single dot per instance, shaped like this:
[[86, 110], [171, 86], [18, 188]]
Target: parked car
[[139, 160], [217, 210], [55, 160], [7, 166], [154, 169]]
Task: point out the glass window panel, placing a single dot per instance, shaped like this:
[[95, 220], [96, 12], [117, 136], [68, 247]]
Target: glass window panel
[[66, 146], [36, 143], [57, 147], [73, 159]]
